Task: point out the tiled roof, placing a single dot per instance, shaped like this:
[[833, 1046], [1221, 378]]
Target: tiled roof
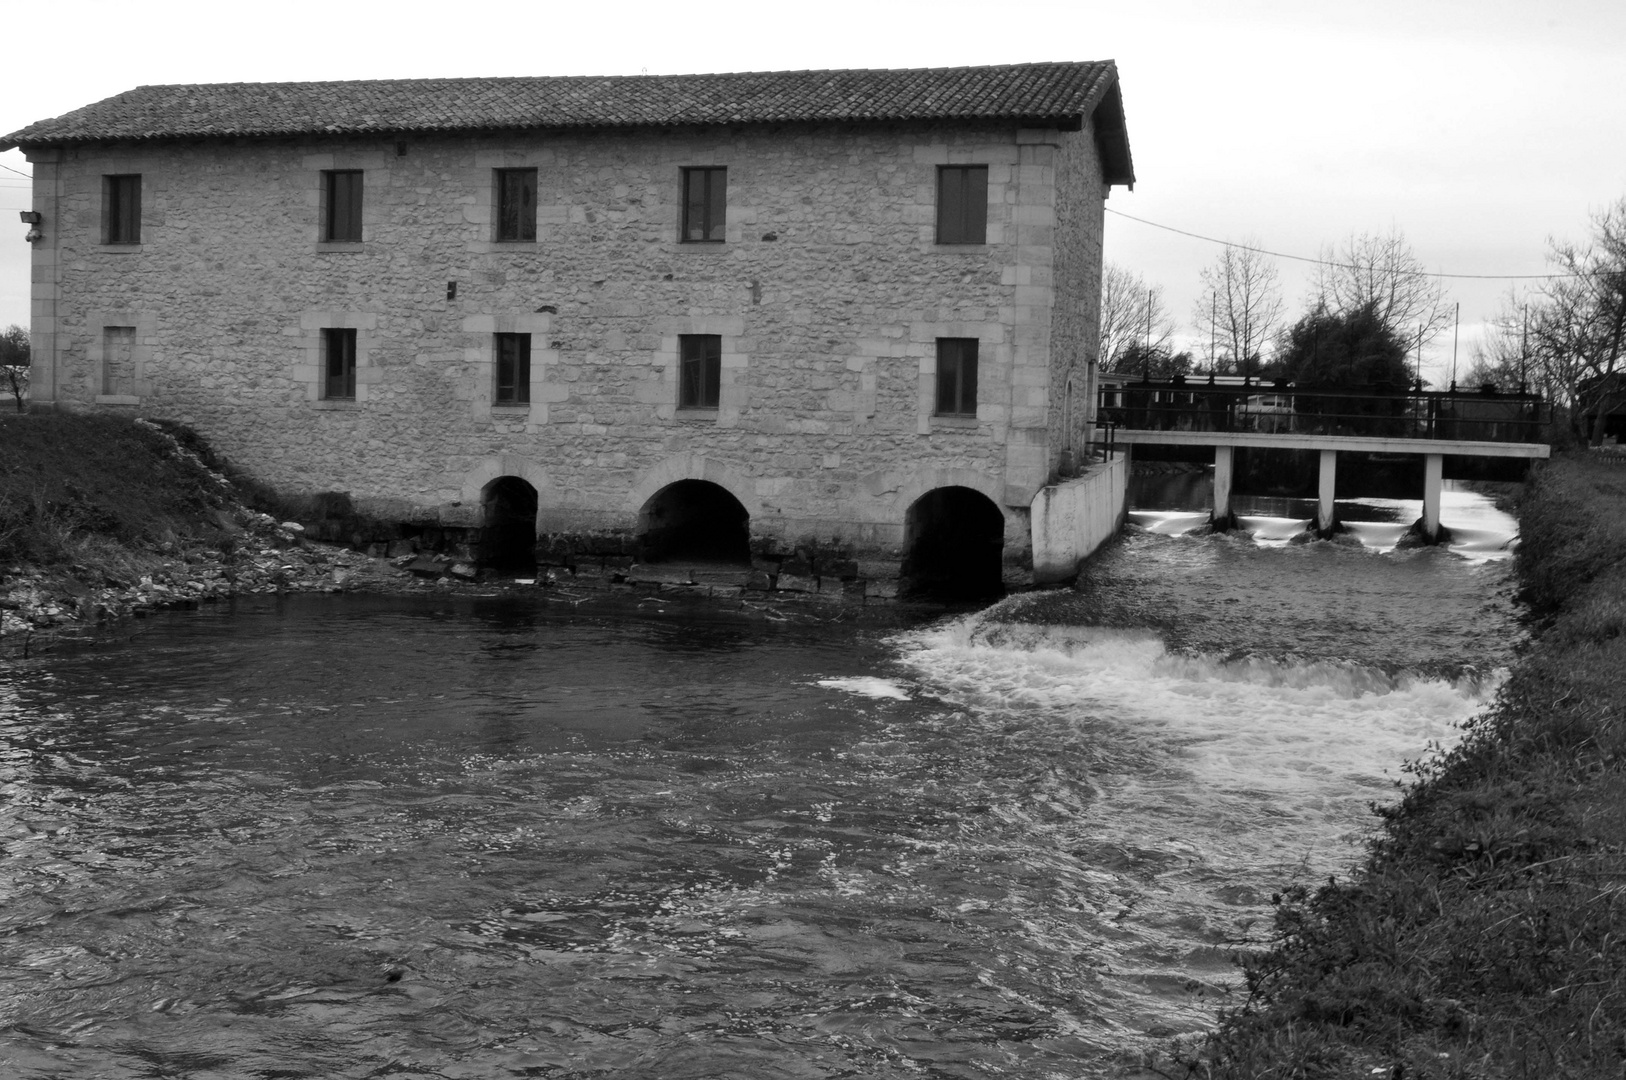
[[1057, 93]]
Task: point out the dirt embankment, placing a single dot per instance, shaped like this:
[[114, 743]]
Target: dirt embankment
[[102, 518]]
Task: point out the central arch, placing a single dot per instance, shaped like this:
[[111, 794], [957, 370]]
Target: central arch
[[954, 546], [694, 520]]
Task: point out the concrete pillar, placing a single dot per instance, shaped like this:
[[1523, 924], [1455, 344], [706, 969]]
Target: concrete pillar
[[1433, 473], [1221, 517], [1325, 521]]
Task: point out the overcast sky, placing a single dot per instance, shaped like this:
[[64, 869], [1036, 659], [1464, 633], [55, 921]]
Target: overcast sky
[[1477, 128]]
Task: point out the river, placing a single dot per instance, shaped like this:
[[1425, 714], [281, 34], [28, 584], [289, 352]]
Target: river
[[451, 835]]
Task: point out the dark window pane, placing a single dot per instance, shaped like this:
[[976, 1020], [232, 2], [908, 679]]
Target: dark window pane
[[123, 198], [516, 204], [339, 363], [343, 193], [700, 371], [957, 376], [705, 204], [513, 369], [962, 204]]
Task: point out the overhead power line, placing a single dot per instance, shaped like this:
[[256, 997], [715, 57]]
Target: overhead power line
[[19, 172], [1328, 262]]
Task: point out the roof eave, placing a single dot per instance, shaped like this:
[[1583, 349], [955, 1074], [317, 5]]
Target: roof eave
[[1112, 137]]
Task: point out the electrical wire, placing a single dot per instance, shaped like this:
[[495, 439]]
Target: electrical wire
[[1328, 262]]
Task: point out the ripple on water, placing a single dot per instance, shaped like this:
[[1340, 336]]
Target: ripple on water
[[345, 835]]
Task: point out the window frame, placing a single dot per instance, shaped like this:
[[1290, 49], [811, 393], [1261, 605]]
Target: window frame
[[712, 204], [955, 358], [514, 224], [342, 207], [338, 348], [121, 208], [962, 204], [511, 350], [700, 371]]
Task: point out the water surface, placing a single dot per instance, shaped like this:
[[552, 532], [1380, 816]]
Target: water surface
[[460, 836]]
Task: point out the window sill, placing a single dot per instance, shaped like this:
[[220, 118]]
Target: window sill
[[510, 408], [962, 248], [120, 249], [339, 247], [117, 399], [336, 404], [696, 416], [702, 247], [951, 422]]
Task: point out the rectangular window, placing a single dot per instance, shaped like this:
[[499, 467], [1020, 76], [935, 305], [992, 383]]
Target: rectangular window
[[339, 364], [516, 204], [513, 370], [705, 200], [957, 376], [962, 204], [121, 209], [700, 364], [341, 206], [118, 359]]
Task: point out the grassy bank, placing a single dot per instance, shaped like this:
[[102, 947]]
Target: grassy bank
[[102, 517], [1485, 934]]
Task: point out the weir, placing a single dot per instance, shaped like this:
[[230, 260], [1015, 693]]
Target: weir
[[1433, 452], [1434, 425]]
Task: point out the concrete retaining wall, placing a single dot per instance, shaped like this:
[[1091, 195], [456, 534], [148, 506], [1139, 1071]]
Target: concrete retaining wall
[[1071, 520]]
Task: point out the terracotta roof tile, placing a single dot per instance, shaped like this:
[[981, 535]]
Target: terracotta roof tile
[[1035, 93]]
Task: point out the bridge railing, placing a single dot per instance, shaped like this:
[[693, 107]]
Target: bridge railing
[[1175, 405]]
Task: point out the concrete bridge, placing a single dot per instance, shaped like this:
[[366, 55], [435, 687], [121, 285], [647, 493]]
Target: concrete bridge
[[1434, 425]]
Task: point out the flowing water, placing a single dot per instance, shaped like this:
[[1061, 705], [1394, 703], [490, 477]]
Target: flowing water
[[460, 836]]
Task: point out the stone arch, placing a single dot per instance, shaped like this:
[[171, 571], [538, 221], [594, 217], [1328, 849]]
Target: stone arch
[[498, 465], [694, 467], [917, 482], [954, 545]]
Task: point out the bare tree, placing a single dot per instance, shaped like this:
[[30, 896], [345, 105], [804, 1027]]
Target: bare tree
[[1384, 272], [14, 360], [1583, 318], [1240, 309], [1133, 317], [1501, 357], [1566, 339]]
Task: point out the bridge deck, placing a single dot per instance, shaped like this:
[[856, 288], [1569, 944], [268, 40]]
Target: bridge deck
[[1365, 443]]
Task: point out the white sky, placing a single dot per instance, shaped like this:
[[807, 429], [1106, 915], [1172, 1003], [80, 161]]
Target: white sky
[[1479, 128]]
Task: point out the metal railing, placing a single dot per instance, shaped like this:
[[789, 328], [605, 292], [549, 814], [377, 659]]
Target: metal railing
[[1176, 405]]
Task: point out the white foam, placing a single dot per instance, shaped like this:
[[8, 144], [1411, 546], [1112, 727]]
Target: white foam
[[867, 686], [1252, 754]]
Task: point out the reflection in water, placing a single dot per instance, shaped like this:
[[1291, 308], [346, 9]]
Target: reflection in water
[[349, 836]]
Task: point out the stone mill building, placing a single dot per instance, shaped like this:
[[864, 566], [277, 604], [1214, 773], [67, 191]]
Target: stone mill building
[[829, 325]]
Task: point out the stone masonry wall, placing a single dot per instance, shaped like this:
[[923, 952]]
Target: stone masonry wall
[[829, 294], [1076, 337]]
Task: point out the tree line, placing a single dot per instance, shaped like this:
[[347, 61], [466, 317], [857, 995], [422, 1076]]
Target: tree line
[[1372, 306]]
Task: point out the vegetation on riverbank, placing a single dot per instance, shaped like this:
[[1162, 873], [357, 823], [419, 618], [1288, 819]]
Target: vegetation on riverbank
[[103, 517], [1485, 935]]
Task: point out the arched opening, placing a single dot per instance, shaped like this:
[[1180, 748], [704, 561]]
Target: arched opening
[[508, 540], [694, 520], [954, 540]]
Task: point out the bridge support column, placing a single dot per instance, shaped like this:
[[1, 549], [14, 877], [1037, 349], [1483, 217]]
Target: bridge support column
[[1433, 473], [1326, 523], [1221, 518]]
